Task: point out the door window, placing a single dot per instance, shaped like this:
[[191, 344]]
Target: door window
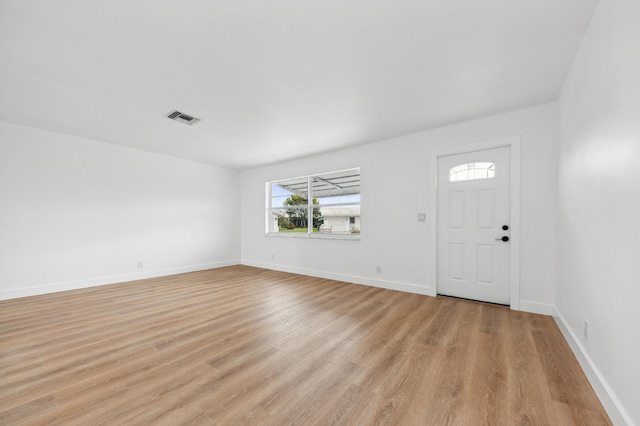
[[472, 171]]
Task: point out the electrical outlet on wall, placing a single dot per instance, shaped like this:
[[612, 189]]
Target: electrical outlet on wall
[[140, 264], [378, 269], [586, 330]]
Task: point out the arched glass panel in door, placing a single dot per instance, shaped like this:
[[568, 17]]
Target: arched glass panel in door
[[472, 171]]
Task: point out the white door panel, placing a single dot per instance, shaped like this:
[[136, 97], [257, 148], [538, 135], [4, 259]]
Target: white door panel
[[473, 261]]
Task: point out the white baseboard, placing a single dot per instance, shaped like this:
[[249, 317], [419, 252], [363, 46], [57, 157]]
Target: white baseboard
[[354, 279], [610, 402], [74, 285], [536, 307]]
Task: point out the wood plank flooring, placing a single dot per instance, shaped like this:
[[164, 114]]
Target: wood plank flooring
[[242, 345]]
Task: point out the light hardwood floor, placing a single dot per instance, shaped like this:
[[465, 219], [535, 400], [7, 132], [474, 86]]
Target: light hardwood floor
[[242, 345]]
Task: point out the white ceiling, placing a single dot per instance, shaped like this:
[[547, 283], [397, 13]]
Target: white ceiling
[[278, 79]]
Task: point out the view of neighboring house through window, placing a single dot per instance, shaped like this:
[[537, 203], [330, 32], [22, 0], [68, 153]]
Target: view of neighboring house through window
[[326, 204]]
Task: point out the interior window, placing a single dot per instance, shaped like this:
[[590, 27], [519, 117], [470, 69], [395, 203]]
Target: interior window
[[326, 204]]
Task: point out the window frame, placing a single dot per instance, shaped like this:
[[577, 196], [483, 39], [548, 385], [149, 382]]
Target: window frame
[[269, 209]]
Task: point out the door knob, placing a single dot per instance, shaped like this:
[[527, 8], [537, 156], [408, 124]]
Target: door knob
[[505, 227], [505, 239]]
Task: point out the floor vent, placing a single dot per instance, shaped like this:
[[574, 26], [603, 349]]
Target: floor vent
[[182, 117]]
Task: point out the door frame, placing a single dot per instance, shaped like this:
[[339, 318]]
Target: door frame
[[513, 142]]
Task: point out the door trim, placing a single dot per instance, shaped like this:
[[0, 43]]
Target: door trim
[[513, 142]]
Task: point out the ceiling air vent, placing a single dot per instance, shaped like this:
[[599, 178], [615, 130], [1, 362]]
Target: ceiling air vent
[[182, 117]]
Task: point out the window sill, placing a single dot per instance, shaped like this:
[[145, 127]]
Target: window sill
[[355, 237]]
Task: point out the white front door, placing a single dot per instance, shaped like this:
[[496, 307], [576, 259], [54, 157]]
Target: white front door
[[473, 225]]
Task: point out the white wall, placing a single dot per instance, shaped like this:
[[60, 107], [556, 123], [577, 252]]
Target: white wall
[[76, 212], [599, 200], [395, 187]]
